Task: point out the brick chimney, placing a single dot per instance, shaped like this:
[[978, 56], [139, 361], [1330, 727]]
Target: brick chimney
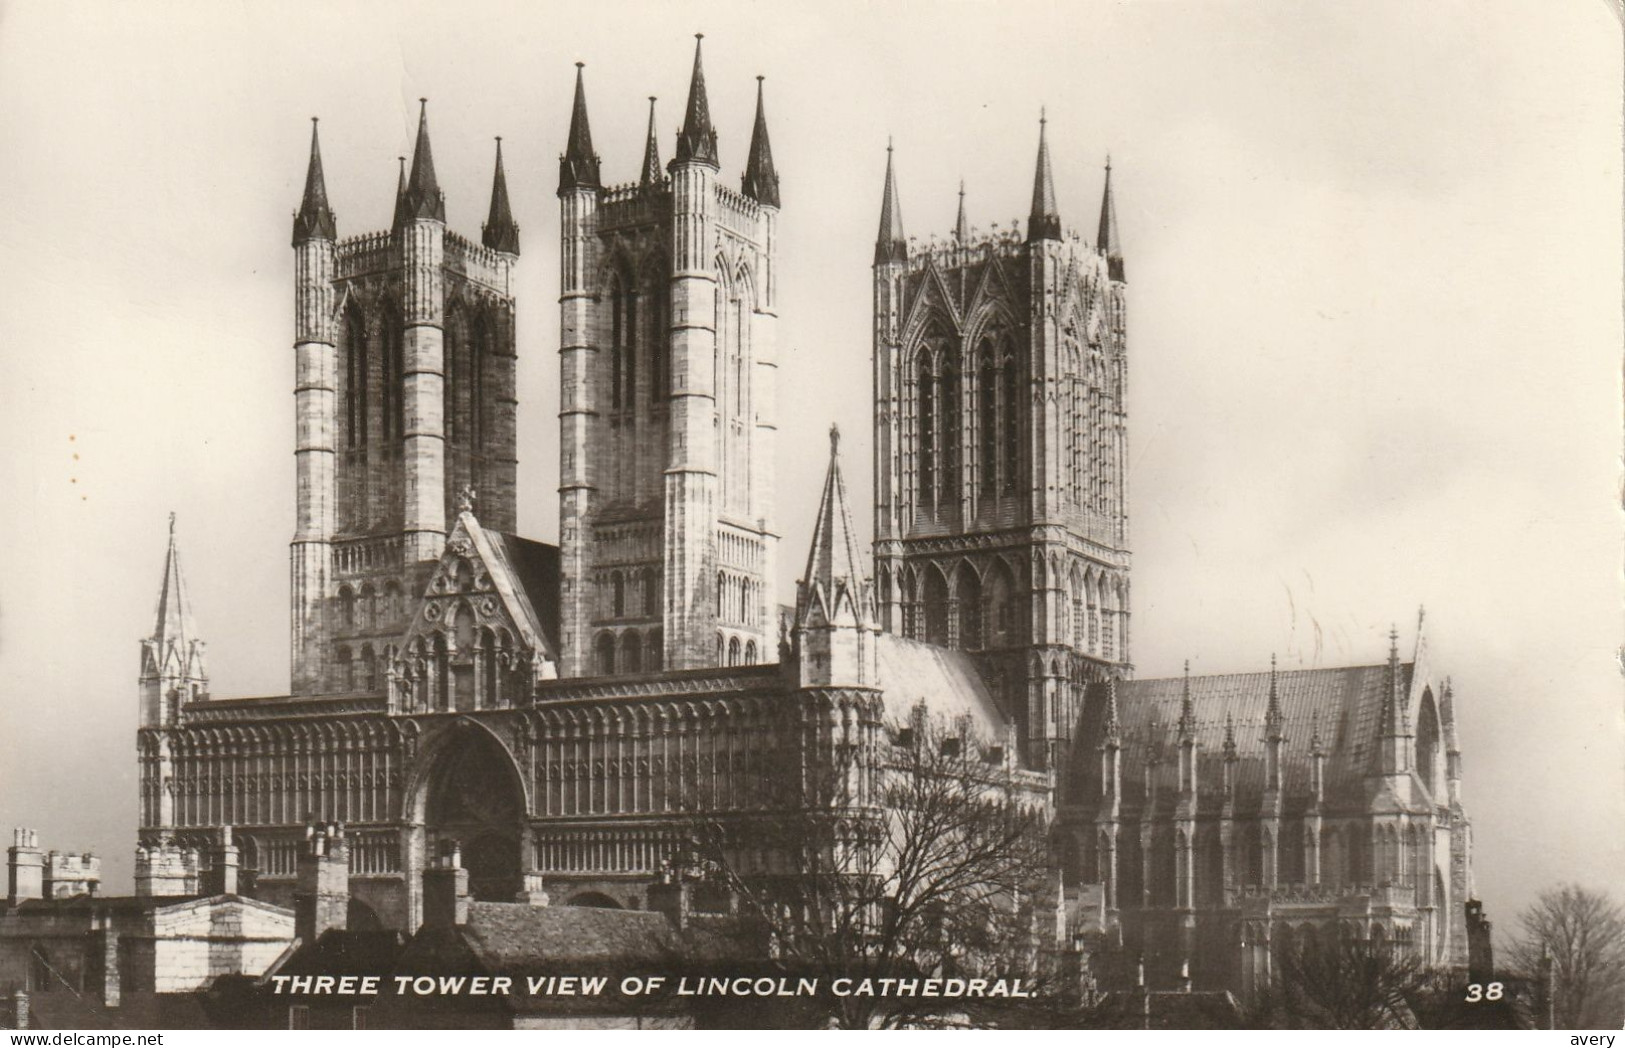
[[533, 892], [25, 867], [445, 890], [19, 1010], [321, 898], [220, 878]]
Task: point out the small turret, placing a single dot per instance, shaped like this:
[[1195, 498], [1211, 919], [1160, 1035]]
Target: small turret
[[173, 671], [1274, 736], [961, 226], [1395, 723], [578, 167], [652, 171], [697, 141], [836, 629], [423, 198], [315, 219], [400, 217], [891, 245], [500, 232], [1044, 223], [1187, 738], [761, 181], [1107, 241]]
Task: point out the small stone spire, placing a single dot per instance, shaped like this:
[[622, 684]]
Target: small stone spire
[[891, 245], [1111, 730], [697, 141], [315, 219], [835, 619], [174, 610], [652, 171], [172, 659], [1107, 241], [1317, 748], [1396, 717], [500, 232], [401, 216], [578, 167], [961, 227], [1044, 223], [1187, 710], [423, 199], [835, 559], [1230, 753], [1274, 719], [761, 182]]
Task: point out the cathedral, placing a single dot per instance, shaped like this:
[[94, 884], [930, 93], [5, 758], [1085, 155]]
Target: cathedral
[[556, 715]]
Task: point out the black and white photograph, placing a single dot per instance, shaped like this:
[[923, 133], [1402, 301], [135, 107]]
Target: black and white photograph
[[925, 514]]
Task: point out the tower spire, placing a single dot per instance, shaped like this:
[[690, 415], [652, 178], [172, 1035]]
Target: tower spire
[[890, 245], [500, 233], [961, 227], [578, 167], [651, 151], [697, 142], [835, 620], [401, 216], [761, 182], [315, 219], [172, 664], [174, 610], [1044, 223], [835, 559], [1107, 241], [423, 198]]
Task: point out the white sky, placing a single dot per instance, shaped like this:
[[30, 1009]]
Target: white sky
[[1374, 255]]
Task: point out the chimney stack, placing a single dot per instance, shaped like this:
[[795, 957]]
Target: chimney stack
[[445, 890], [25, 867], [321, 899]]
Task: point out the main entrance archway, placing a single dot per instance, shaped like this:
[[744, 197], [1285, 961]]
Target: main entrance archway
[[473, 797]]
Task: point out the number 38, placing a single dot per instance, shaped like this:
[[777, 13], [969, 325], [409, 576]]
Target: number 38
[[1480, 992]]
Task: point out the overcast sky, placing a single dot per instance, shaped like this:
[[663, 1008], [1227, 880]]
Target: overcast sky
[[1374, 255]]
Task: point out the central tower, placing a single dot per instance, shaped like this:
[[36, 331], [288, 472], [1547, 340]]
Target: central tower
[[668, 305], [1001, 501]]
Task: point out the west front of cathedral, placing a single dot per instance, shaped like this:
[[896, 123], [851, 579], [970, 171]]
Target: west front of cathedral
[[558, 716]]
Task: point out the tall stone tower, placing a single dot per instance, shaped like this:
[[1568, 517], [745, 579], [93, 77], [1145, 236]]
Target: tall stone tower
[[404, 396], [668, 304], [1001, 501]]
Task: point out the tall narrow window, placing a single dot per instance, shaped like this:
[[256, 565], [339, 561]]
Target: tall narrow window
[[988, 424], [951, 442], [631, 329], [394, 400], [355, 389], [615, 348], [927, 433], [1012, 425], [659, 343], [479, 350]]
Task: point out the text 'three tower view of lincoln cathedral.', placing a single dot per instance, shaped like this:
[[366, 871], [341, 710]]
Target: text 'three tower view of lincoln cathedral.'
[[563, 712]]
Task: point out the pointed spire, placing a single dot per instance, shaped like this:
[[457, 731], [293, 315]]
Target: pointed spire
[[1317, 748], [401, 216], [500, 233], [1230, 738], [423, 198], [891, 245], [961, 227], [1187, 709], [1107, 240], [578, 167], [697, 142], [174, 625], [835, 559], [761, 182], [1395, 715], [1044, 223], [315, 219], [1274, 719], [1111, 727], [652, 172]]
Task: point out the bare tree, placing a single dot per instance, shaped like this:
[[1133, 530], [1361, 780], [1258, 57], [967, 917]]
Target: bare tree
[[1350, 984], [1582, 933], [923, 856]]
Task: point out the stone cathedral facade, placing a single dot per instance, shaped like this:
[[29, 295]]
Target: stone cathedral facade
[[556, 716]]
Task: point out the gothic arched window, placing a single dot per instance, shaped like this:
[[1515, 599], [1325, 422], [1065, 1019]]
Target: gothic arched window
[[951, 436], [926, 393], [606, 654], [617, 587], [733, 652], [651, 593], [750, 653], [631, 653], [987, 423], [615, 351], [393, 373], [1011, 405], [355, 387]]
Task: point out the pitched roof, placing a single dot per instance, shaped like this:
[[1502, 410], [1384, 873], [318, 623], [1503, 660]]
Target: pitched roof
[[947, 682], [1343, 705], [535, 569]]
